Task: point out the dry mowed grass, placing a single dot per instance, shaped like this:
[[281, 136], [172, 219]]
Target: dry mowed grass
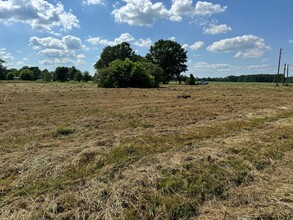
[[75, 151]]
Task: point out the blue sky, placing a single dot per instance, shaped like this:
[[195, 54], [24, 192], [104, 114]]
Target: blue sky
[[222, 37]]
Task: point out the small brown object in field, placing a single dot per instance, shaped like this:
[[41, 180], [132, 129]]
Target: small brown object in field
[[183, 96]]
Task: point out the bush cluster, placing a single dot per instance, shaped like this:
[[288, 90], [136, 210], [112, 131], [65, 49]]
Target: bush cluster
[[26, 74], [127, 73]]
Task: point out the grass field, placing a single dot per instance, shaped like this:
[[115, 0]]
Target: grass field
[[75, 151]]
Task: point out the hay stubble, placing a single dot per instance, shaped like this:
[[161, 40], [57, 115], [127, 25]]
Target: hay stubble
[[75, 151]]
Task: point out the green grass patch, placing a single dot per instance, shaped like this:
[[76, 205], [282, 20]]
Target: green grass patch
[[94, 111], [63, 131], [194, 179], [160, 206], [10, 143]]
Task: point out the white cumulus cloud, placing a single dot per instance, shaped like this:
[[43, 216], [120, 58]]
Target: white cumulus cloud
[[93, 2], [72, 42], [144, 43], [40, 14], [48, 42], [172, 38], [62, 51], [181, 8], [125, 37], [217, 29], [246, 46], [197, 45], [97, 41], [140, 12], [259, 67], [4, 55], [56, 53], [146, 13], [68, 42], [46, 62], [185, 46], [204, 65], [81, 56], [207, 8]]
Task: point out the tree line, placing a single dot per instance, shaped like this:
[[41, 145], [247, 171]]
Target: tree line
[[249, 78], [118, 66], [61, 74]]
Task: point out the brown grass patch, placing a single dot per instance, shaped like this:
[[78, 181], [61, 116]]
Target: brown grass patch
[[75, 151]]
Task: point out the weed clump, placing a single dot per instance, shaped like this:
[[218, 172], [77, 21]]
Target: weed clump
[[184, 212], [64, 131]]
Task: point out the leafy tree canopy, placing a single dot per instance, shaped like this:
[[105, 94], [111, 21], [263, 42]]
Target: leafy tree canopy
[[46, 75], [191, 80], [170, 56], [61, 73], [14, 71], [26, 74], [111, 53], [1, 63], [78, 76], [86, 76], [72, 71], [10, 76], [2, 70]]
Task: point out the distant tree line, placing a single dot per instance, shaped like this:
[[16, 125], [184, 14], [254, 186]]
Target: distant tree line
[[248, 78], [61, 74], [120, 66]]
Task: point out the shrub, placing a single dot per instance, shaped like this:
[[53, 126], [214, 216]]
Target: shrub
[[78, 76], [86, 76], [47, 76], [10, 76], [61, 73], [104, 78], [155, 71], [140, 78], [190, 80], [121, 74], [26, 74]]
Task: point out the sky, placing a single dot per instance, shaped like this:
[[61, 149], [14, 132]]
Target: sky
[[221, 37]]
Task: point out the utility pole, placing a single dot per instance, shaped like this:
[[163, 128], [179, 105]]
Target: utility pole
[[284, 74], [277, 78], [53, 63], [287, 79]]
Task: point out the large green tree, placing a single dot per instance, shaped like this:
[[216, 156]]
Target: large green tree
[[26, 74], [86, 76], [111, 53], [2, 70], [36, 72], [170, 56], [71, 72], [78, 76], [61, 73], [14, 71], [46, 75]]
